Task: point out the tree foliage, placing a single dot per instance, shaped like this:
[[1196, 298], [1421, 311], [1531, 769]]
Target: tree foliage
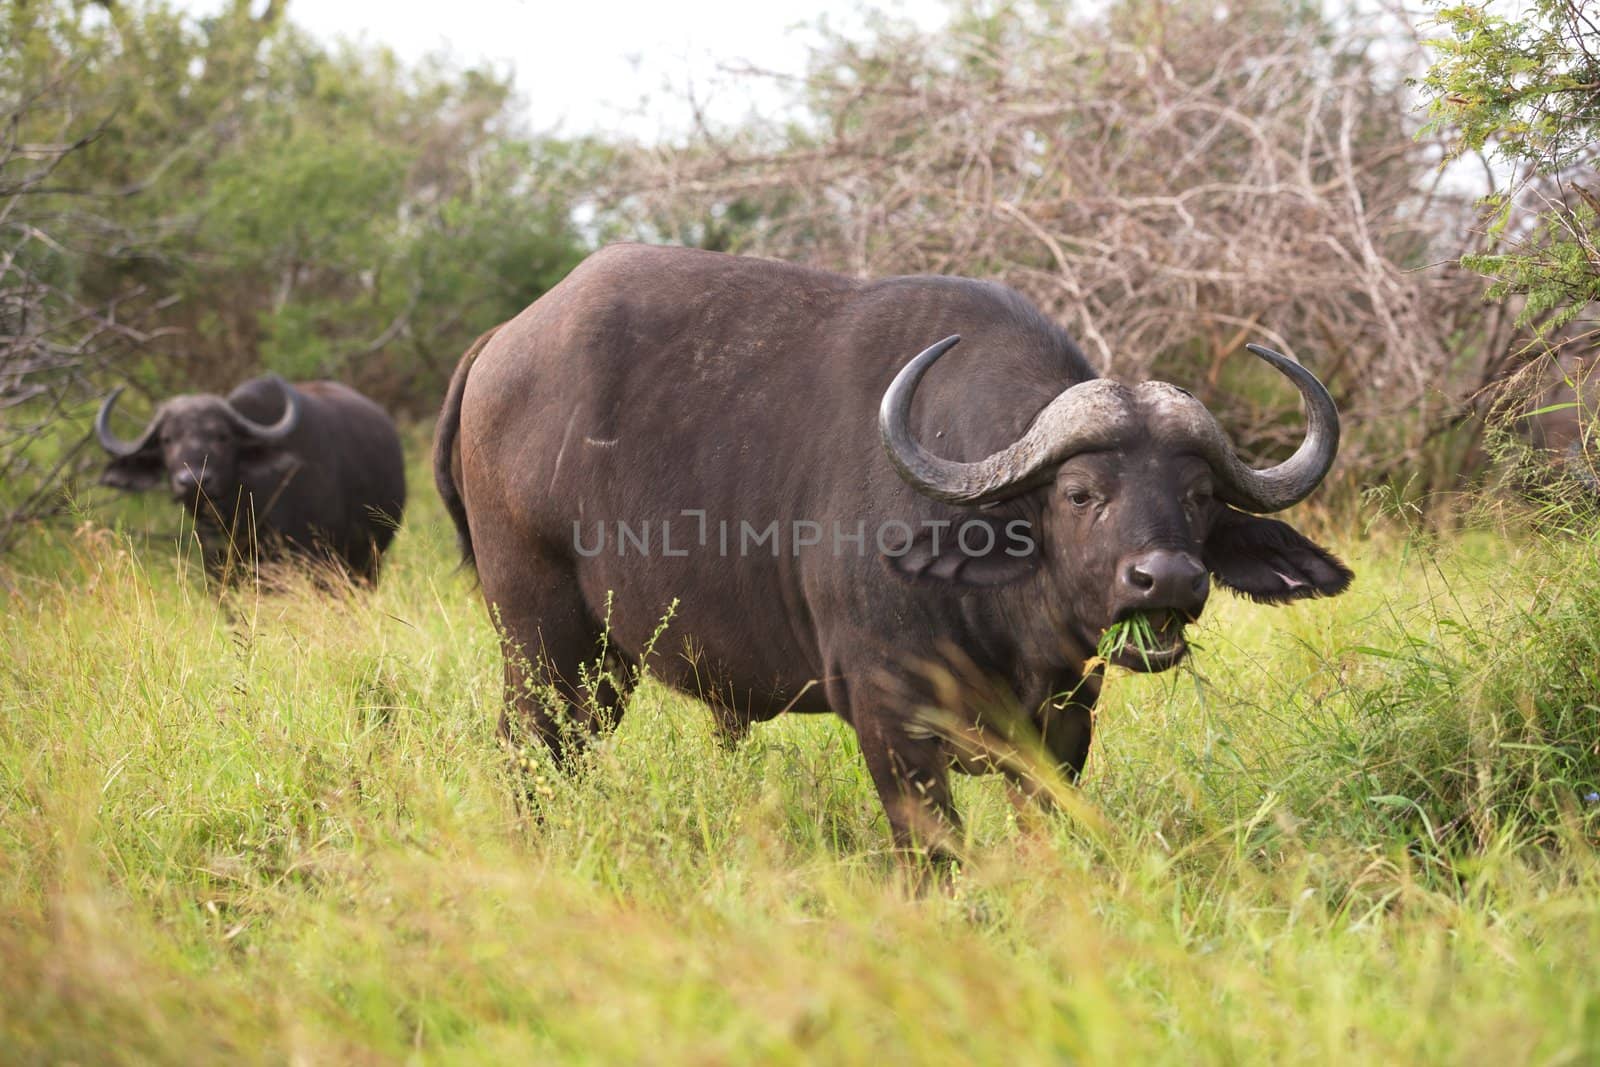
[[1527, 89], [1169, 180], [199, 200]]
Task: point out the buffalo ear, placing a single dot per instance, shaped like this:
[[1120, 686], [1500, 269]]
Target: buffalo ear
[[971, 550], [135, 473], [1270, 561]]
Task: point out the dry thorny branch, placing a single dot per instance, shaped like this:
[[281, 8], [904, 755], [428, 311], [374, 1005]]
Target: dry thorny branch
[[53, 344], [1166, 192]]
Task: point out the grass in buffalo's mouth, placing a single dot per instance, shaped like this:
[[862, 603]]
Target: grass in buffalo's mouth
[[1147, 633]]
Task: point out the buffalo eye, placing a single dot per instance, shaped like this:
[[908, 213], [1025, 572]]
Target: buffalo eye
[[1079, 498]]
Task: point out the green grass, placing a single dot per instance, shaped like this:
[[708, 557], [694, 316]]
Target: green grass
[[1138, 630], [1355, 832]]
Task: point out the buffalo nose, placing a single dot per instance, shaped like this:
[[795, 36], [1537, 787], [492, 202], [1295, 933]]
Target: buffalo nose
[[1165, 579], [186, 480]]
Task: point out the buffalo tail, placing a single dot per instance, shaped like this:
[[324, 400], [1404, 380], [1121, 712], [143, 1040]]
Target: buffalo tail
[[444, 447]]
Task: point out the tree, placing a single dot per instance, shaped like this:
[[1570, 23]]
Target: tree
[[1527, 89], [56, 339], [1167, 179], [187, 202]]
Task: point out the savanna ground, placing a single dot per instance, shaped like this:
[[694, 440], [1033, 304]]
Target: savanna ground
[[1355, 831]]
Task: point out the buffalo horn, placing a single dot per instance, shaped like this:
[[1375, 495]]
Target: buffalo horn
[[276, 431], [1081, 418], [1277, 487], [1090, 413], [110, 441]]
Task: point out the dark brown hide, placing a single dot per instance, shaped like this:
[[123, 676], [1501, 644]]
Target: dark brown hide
[[1566, 418], [332, 487], [713, 392]]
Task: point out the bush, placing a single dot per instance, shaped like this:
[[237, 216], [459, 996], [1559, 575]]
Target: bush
[[1167, 180], [185, 203]]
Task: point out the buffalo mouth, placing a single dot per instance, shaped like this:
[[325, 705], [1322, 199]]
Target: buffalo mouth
[[1145, 641]]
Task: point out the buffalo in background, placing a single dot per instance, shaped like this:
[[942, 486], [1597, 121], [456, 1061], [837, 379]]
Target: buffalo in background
[[1002, 509], [1560, 422], [313, 469]]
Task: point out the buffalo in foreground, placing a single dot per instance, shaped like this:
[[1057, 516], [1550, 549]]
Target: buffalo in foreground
[[314, 469], [840, 529]]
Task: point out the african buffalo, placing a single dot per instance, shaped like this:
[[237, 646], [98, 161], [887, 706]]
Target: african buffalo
[[840, 529], [314, 469], [1559, 423]]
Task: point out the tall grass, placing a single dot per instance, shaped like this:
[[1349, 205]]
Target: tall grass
[[281, 828]]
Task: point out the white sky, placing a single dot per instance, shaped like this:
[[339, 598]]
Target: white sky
[[605, 65]]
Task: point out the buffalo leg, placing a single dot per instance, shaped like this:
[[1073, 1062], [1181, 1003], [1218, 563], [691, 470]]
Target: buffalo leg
[[732, 726], [560, 686], [1066, 732], [361, 559], [912, 775], [1065, 723]]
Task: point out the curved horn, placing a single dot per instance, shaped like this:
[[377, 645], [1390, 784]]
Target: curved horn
[[110, 441], [276, 431], [1281, 486], [1081, 417]]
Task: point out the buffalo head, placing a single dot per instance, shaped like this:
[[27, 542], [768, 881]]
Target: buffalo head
[[1135, 500], [197, 445]]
